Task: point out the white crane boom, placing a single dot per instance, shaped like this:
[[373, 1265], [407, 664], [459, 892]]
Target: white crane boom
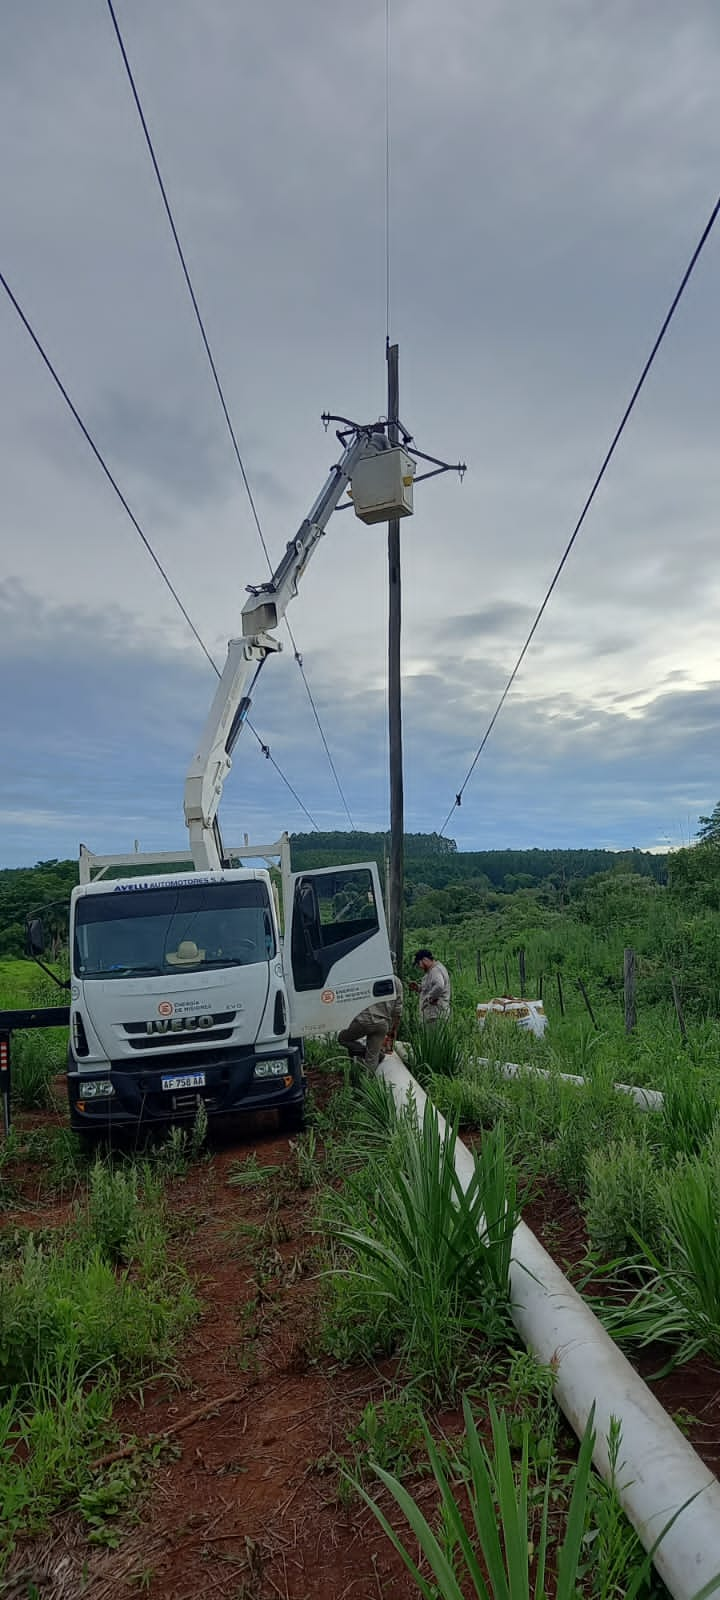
[[264, 610]]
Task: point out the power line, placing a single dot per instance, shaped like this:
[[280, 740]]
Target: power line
[[127, 508], [266, 751], [387, 171], [218, 386], [598, 480]]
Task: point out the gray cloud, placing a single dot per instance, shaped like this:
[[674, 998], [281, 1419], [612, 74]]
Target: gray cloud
[[504, 619], [557, 769], [551, 168]]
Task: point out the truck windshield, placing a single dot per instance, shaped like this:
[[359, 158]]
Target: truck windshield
[[188, 928]]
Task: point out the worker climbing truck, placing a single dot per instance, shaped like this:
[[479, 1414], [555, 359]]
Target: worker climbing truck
[[188, 988]]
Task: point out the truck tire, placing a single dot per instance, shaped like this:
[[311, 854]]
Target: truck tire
[[293, 1120]]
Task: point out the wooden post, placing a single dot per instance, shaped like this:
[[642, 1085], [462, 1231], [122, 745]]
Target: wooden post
[[541, 981], [678, 1009], [521, 966], [507, 979], [478, 966], [629, 986], [560, 995], [395, 897], [586, 998]]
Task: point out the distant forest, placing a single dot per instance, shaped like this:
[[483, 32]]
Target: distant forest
[[442, 883]]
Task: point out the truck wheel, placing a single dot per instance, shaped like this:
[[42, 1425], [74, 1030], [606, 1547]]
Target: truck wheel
[[89, 1143], [293, 1120]]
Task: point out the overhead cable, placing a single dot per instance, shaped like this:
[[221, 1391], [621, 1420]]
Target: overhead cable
[[387, 172], [127, 508], [219, 388], [598, 480]]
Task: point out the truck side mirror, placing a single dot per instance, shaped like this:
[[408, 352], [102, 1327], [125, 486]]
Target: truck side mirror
[[35, 937]]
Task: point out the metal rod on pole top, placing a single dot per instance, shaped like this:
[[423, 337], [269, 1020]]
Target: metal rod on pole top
[[396, 873]]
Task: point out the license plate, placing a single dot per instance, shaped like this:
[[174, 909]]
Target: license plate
[[185, 1080]]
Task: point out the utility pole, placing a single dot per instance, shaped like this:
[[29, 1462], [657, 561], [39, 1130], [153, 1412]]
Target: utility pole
[[393, 498], [397, 824]]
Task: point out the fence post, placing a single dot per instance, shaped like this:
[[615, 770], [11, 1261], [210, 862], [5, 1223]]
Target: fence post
[[629, 986], [541, 981], [560, 995], [478, 966], [521, 965], [507, 978], [586, 998], [678, 1009]]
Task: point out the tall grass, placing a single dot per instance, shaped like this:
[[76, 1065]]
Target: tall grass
[[44, 1448], [505, 1557], [68, 1297], [690, 1110], [509, 1549], [75, 1323], [124, 1211], [623, 1197], [440, 1048], [679, 1301], [37, 1057], [435, 1260]]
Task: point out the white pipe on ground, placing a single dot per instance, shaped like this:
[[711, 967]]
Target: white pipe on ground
[[646, 1099], [659, 1471]]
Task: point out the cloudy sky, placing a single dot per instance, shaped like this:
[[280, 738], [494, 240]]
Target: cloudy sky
[[553, 164]]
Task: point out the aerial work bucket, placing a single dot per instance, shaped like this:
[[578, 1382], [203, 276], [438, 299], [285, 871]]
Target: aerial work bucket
[[382, 485]]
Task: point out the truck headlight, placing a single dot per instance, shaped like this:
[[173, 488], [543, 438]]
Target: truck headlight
[[95, 1089], [272, 1069]]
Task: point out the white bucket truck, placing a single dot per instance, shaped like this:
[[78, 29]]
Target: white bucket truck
[[183, 989]]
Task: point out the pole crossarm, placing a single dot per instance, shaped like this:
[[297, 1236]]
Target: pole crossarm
[[348, 427]]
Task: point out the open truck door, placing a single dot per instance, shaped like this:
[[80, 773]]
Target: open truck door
[[337, 953]]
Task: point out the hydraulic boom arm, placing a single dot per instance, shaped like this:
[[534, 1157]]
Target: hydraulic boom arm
[[263, 611]]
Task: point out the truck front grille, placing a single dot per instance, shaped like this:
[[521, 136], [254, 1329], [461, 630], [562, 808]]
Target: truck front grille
[[147, 1036], [178, 1041]]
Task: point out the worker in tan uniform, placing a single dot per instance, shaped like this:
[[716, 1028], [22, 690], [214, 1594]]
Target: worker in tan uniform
[[435, 989], [364, 1038]]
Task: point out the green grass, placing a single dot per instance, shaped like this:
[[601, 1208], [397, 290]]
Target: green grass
[[83, 1311], [678, 1303], [429, 1262], [38, 1055], [497, 1535], [506, 1558], [23, 984], [624, 1198]]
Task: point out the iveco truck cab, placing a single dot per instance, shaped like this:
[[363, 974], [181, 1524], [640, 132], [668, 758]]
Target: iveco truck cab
[[183, 991]]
